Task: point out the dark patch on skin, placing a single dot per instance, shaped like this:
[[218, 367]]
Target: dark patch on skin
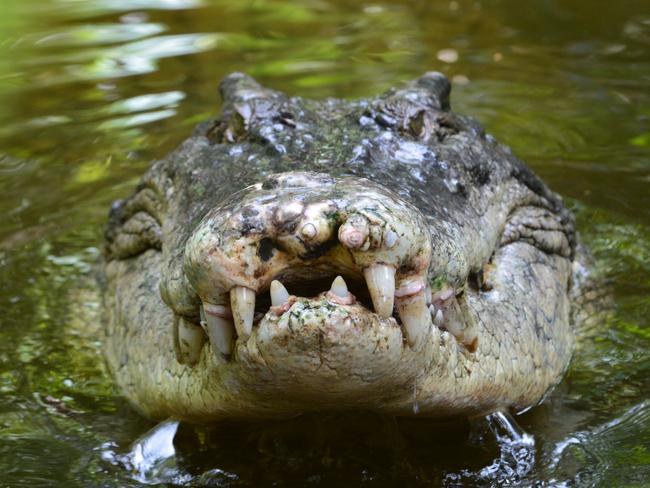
[[248, 212], [480, 174], [290, 227], [446, 125], [270, 184], [405, 269], [474, 280], [286, 118], [265, 249], [231, 127], [249, 223], [247, 228], [319, 250]]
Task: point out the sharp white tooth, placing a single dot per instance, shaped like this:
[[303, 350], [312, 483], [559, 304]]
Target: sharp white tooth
[[439, 318], [416, 319], [242, 303], [190, 342], [279, 294], [339, 288], [219, 328], [460, 325], [380, 279]]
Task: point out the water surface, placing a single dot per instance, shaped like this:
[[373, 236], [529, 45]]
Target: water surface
[[91, 91]]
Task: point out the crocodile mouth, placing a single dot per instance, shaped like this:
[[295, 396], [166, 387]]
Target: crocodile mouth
[[339, 289], [313, 252], [372, 298]]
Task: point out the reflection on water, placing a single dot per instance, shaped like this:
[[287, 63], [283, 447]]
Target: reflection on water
[[124, 60], [610, 445], [91, 91]]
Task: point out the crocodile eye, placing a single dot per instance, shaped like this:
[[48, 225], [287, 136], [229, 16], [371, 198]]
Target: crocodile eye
[[133, 228], [545, 229]]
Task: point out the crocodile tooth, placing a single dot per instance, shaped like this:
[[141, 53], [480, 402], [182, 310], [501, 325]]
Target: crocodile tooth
[[380, 279], [339, 293], [190, 341], [242, 303], [439, 318], [219, 328], [455, 327], [279, 294], [339, 287], [415, 317], [459, 323]]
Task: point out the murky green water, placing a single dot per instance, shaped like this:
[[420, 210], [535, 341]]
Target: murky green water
[[90, 91]]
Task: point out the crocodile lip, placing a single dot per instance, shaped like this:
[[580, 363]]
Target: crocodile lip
[[312, 246]]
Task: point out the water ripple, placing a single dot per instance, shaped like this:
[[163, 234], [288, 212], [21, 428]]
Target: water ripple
[[128, 59], [591, 455], [95, 34]]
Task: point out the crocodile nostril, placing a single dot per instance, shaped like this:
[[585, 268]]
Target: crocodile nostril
[[265, 249]]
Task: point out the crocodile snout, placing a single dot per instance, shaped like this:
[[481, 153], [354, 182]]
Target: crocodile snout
[[298, 232]]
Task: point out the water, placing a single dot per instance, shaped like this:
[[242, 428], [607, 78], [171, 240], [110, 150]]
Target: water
[[91, 91]]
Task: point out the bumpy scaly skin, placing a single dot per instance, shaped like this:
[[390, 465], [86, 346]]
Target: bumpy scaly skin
[[277, 188]]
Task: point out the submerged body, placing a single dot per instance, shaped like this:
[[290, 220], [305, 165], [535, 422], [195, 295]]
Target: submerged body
[[297, 255]]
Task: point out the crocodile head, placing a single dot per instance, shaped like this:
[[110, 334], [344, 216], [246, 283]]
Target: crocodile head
[[295, 255]]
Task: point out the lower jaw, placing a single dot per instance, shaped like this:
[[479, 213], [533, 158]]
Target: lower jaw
[[318, 355], [330, 357]]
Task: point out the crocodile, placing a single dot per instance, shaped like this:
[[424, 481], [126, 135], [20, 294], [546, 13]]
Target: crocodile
[[383, 255]]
